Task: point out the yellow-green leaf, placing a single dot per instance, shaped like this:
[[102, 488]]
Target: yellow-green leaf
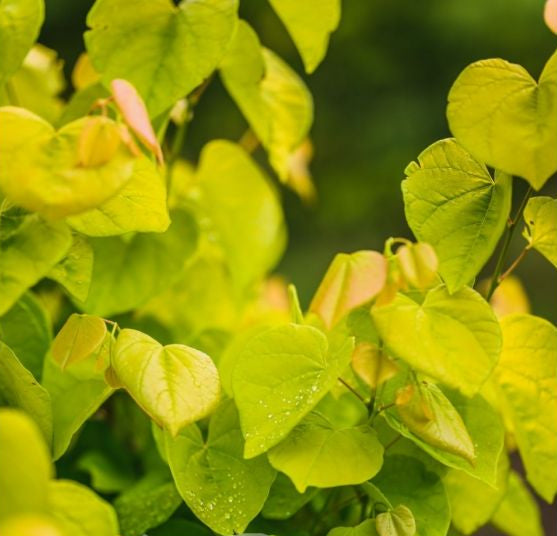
[[540, 216]]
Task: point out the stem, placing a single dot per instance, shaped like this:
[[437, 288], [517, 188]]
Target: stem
[[389, 445], [515, 263], [511, 225], [352, 390]]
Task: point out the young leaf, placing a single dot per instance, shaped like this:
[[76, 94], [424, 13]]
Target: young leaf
[[351, 280], [418, 265], [279, 377], [80, 337], [174, 384], [510, 297], [499, 113], [20, 22], [243, 208], [43, 170], [454, 338], [406, 481], [140, 206], [79, 511], [452, 202], [540, 216], [284, 500], [25, 467], [165, 55], [25, 328], [526, 375], [316, 453], [126, 273], [366, 528], [271, 96], [396, 522], [372, 365], [28, 255], [74, 271], [223, 489], [19, 389], [309, 23]]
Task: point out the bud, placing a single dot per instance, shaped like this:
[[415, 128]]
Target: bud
[[418, 264], [98, 143]]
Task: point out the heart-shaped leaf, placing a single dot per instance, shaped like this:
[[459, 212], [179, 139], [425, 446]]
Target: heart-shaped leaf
[[499, 113], [396, 522], [175, 384], [452, 202], [540, 216], [165, 55]]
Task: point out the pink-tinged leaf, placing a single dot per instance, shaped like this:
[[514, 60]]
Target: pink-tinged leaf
[[135, 114], [350, 281], [550, 15]]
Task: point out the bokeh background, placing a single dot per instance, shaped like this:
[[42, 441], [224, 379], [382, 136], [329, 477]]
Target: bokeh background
[[380, 99]]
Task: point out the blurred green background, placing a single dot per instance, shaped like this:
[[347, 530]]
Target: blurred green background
[[380, 99]]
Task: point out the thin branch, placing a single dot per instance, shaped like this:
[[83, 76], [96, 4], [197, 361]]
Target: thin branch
[[516, 262], [352, 390]]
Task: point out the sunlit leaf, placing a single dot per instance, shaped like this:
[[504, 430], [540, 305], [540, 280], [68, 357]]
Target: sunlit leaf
[[366, 528], [509, 297], [540, 216], [396, 522]]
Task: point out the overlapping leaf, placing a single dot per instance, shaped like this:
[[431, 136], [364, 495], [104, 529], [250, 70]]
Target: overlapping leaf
[[540, 216]]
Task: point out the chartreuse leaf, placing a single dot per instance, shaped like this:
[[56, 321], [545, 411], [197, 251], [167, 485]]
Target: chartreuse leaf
[[540, 216], [351, 280], [127, 272], [244, 209], [366, 528], [25, 328], [74, 271], [279, 377], [481, 423], [405, 481], [223, 489], [139, 206], [165, 54], [25, 467], [147, 504], [28, 254], [20, 22], [80, 337], [316, 453], [18, 388], [284, 500], [30, 525], [472, 501], [271, 96], [518, 513], [79, 511], [499, 113], [396, 522], [47, 171], [175, 384], [309, 23], [452, 202], [453, 338], [526, 375], [76, 393]]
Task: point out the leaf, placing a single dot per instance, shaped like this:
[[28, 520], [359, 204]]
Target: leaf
[[452, 202], [540, 216], [74, 271], [43, 172], [351, 280], [396, 522], [371, 364], [165, 54], [19, 389], [139, 206], [127, 272], [518, 514], [147, 504], [418, 265], [25, 467], [244, 210], [406, 481], [28, 255], [107, 475], [223, 489], [79, 511], [309, 24], [80, 337], [453, 338], [318, 454], [526, 375], [550, 15], [273, 99], [279, 377], [29, 525], [482, 423], [472, 501], [25, 328], [366, 528], [499, 113], [83, 73], [175, 385], [20, 22], [284, 500], [509, 297]]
